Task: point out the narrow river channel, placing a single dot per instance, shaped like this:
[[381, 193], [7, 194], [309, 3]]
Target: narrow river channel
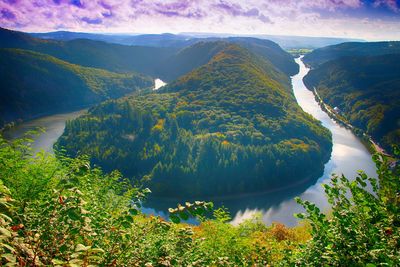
[[348, 156]]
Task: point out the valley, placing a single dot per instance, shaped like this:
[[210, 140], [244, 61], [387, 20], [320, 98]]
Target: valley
[[348, 156], [199, 133]]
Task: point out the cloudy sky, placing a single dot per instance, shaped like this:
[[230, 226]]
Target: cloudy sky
[[367, 19]]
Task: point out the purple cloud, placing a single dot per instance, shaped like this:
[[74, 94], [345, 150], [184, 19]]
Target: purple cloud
[[10, 1], [92, 21], [296, 17], [391, 4], [7, 14], [237, 10], [77, 3]]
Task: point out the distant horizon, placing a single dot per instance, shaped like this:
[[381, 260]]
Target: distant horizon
[[193, 34], [371, 20]]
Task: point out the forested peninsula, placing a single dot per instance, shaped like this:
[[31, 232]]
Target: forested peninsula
[[229, 126]]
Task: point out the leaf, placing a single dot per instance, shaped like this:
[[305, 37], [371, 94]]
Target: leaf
[[81, 247], [184, 215], [146, 191], [174, 219], [129, 218], [10, 248], [73, 214], [5, 232], [133, 211], [96, 250], [58, 262]]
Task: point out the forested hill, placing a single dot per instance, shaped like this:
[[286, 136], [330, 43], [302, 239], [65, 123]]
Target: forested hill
[[270, 51], [201, 52], [325, 54], [33, 84], [89, 53], [168, 63], [230, 126], [367, 90]]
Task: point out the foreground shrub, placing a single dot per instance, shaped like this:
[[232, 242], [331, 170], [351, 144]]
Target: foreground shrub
[[364, 225]]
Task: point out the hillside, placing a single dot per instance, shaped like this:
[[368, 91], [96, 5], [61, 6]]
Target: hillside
[[166, 62], [325, 54], [33, 84], [187, 59], [90, 53], [270, 51], [201, 51], [230, 126], [367, 90]]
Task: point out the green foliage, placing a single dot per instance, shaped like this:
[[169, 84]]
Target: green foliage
[[34, 84], [168, 63], [229, 126], [366, 91], [363, 228], [350, 49], [197, 209], [83, 217]]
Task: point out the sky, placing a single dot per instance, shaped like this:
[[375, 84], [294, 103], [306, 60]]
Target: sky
[[365, 19]]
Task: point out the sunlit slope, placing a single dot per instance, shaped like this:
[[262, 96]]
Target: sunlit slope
[[230, 126]]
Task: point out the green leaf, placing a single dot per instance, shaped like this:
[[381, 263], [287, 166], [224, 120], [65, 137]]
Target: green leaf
[[81, 247], [174, 219], [73, 214], [184, 216]]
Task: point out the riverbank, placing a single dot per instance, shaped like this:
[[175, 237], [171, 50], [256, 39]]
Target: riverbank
[[52, 125], [10, 125], [366, 139], [348, 156]]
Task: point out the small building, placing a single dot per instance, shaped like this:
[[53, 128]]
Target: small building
[[337, 110]]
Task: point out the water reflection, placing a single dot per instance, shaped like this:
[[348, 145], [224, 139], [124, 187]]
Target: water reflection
[[348, 156], [53, 125], [158, 83]]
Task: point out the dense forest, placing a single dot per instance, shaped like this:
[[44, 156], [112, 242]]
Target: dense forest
[[62, 212], [366, 89], [230, 126], [47, 76], [325, 54], [33, 84]]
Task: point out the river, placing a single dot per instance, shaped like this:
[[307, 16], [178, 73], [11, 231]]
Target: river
[[348, 156], [53, 125]]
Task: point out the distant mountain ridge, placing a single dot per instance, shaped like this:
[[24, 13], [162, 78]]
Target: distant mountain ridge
[[89, 53], [325, 54], [152, 61], [185, 39]]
